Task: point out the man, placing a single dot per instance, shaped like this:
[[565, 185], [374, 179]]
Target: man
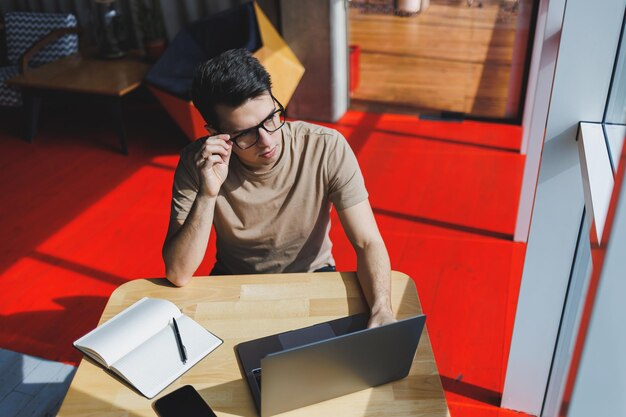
[[267, 185]]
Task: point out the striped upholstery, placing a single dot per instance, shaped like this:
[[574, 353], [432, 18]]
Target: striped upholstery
[[9, 96], [23, 29]]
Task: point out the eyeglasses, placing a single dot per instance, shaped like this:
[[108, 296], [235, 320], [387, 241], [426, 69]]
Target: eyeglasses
[[249, 137]]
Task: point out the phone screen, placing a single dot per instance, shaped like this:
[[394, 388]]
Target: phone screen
[[184, 402]]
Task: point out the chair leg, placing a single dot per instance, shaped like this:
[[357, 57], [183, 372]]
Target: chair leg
[[32, 105], [115, 106]]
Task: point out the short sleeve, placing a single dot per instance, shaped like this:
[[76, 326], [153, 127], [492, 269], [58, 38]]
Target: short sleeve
[[346, 184], [185, 186]]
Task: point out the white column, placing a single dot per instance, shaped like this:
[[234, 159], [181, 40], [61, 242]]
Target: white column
[[316, 31], [539, 88]]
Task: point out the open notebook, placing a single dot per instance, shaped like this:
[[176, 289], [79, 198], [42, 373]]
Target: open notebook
[[139, 344]]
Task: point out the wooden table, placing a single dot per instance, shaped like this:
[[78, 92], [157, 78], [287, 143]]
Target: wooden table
[[240, 308], [107, 79]]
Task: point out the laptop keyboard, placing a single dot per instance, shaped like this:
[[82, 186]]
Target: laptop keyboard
[[257, 376]]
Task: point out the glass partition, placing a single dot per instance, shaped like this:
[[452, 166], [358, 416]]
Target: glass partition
[[615, 113], [459, 58]]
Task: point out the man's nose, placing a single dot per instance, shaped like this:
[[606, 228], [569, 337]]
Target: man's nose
[[265, 139]]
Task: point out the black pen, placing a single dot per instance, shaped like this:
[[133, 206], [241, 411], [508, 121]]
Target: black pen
[[179, 342]]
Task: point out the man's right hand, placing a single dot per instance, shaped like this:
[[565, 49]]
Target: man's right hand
[[212, 163]]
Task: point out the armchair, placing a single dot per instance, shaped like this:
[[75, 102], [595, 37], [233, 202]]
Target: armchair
[[34, 39], [245, 26]]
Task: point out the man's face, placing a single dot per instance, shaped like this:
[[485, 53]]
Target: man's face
[[233, 120]]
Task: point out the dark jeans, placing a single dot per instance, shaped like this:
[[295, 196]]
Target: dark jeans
[[327, 268], [218, 271]]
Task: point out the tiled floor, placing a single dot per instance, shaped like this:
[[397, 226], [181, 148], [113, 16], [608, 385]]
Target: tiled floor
[[84, 219], [30, 386]]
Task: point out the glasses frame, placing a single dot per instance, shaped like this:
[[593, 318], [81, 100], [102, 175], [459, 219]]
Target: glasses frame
[[280, 111]]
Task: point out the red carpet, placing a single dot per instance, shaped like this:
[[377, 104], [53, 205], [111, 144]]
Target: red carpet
[[79, 219]]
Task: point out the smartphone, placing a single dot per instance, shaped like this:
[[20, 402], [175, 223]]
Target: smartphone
[[184, 402]]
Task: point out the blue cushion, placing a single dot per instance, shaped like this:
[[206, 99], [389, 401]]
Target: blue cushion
[[173, 72], [231, 29], [9, 96], [204, 39], [23, 29]]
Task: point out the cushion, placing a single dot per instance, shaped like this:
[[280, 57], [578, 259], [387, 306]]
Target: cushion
[[173, 72], [230, 29], [204, 39]]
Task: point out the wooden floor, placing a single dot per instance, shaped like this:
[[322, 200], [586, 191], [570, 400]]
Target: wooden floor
[[450, 57], [30, 386]]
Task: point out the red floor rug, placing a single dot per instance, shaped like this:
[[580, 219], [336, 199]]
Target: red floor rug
[[78, 219]]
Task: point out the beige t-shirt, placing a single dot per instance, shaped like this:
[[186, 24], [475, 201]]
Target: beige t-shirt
[[278, 220]]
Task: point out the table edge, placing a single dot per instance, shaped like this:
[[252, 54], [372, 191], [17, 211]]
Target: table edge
[[394, 273]]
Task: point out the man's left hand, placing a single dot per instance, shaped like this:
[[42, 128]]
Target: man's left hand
[[380, 318]]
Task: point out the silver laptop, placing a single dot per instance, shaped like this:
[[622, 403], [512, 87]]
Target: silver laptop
[[305, 366]]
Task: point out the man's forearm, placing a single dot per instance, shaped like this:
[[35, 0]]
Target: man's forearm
[[374, 273], [183, 252]]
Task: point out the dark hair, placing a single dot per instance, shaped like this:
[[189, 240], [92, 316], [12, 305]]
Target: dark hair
[[230, 79]]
